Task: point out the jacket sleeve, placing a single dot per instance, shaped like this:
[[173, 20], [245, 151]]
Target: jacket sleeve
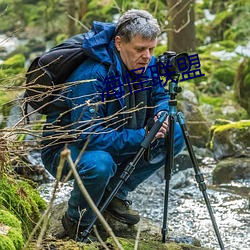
[[88, 115]]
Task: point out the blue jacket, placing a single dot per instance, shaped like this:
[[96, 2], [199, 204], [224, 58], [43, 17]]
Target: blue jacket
[[88, 118]]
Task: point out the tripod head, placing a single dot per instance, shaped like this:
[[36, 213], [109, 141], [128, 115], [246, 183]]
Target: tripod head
[[174, 89]]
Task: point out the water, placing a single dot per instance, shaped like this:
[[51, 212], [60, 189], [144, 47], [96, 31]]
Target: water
[[187, 212]]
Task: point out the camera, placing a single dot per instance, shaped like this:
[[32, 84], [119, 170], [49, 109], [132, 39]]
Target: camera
[[170, 63]]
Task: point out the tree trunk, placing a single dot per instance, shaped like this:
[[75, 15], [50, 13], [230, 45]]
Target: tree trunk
[[83, 7], [181, 34], [71, 6]]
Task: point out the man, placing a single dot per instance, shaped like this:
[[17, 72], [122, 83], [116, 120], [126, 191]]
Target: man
[[108, 114]]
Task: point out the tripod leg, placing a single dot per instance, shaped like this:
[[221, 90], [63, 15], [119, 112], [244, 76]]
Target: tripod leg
[[129, 169], [168, 173], [199, 176]]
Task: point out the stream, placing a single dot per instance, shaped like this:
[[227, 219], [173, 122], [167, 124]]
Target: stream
[[187, 212]]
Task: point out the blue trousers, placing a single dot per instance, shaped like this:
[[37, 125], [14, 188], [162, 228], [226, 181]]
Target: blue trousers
[[100, 170]]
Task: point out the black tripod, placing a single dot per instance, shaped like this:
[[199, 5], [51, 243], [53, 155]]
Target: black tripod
[[173, 90], [129, 168]]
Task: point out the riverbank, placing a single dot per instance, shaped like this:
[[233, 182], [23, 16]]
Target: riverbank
[[188, 215]]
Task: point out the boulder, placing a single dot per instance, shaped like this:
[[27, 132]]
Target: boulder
[[149, 238], [231, 169], [230, 140]]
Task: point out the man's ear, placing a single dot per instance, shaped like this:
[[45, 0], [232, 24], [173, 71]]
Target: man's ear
[[118, 42]]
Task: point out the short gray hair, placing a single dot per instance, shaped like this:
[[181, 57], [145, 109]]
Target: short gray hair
[[137, 22]]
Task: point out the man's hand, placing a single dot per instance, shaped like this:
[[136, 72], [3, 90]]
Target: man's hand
[[164, 128]]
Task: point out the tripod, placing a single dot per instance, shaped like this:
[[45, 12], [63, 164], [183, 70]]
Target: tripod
[[129, 169], [169, 163], [173, 90]]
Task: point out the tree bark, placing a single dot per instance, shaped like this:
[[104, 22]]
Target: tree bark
[[71, 6], [181, 34]]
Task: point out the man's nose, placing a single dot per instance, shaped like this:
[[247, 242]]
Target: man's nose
[[146, 54]]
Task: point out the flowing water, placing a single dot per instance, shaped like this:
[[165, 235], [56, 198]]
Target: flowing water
[[187, 212]]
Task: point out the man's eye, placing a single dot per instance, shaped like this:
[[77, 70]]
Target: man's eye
[[139, 49]]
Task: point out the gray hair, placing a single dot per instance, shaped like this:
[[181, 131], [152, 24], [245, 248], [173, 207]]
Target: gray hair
[[137, 22]]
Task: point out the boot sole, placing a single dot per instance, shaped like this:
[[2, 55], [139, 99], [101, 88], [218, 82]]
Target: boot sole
[[121, 219]]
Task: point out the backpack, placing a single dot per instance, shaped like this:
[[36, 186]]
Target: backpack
[[47, 74]]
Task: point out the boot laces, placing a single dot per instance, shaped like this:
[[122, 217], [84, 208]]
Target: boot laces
[[127, 203]]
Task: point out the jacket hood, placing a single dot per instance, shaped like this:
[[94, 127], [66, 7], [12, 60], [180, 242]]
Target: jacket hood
[[98, 42]]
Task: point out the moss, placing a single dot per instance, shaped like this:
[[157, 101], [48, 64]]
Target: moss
[[6, 243], [16, 61], [128, 244], [16, 237], [221, 132], [225, 75], [9, 219], [212, 100], [242, 84], [13, 239], [236, 125], [21, 199]]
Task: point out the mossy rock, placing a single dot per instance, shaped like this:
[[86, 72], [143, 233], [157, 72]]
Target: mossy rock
[[232, 139], [218, 107], [128, 244], [11, 237], [21, 199]]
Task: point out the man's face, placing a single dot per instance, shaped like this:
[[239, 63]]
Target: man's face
[[137, 53]]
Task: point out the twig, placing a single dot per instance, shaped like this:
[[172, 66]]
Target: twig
[[45, 217], [99, 238], [66, 154], [77, 21], [137, 236]]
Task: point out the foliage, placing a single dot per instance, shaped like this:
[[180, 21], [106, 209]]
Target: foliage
[[242, 84], [229, 21], [22, 200]]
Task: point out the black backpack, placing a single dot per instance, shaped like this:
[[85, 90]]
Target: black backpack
[[47, 74]]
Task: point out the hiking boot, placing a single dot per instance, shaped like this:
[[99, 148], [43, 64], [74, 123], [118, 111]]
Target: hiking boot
[[75, 231], [121, 211]]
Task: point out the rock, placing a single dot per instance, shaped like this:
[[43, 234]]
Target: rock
[[232, 139], [197, 125], [181, 179], [149, 238], [231, 169]]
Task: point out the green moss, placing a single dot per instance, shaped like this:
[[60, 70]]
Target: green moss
[[212, 100], [16, 61], [225, 75], [21, 199], [13, 239], [6, 243], [235, 125], [128, 244], [9, 219], [16, 237], [239, 128], [228, 45], [13, 71]]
